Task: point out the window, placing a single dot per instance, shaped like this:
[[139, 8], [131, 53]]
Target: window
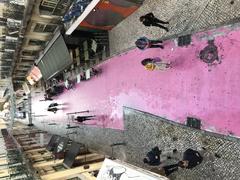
[[54, 7], [35, 42], [11, 39], [49, 28], [49, 3], [29, 53], [19, 2], [39, 27]]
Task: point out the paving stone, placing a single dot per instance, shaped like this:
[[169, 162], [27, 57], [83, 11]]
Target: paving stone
[[145, 131]]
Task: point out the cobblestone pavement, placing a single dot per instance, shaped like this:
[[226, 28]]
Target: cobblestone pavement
[[185, 17], [143, 131]]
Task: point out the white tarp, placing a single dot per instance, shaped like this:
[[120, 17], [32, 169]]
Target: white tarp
[[117, 170]]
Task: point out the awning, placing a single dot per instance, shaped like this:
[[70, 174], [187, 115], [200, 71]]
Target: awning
[[76, 23], [103, 15], [34, 76], [55, 57]]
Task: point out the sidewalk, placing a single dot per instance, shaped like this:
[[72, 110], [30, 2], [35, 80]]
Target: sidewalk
[[143, 131], [185, 17]]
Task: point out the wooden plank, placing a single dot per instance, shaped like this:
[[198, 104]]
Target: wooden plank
[[43, 159], [83, 176], [37, 153], [3, 162], [88, 176], [25, 138], [34, 150], [46, 154], [4, 173], [57, 162], [25, 143], [28, 147], [70, 172], [4, 156], [3, 126], [47, 163]]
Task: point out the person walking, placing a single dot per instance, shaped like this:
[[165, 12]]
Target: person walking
[[84, 118], [150, 20], [191, 159], [53, 105], [144, 43], [170, 169], [155, 64], [53, 109], [47, 97], [153, 157]]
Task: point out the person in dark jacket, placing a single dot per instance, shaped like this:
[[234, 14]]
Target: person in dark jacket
[[58, 89], [47, 97], [84, 118], [144, 43], [153, 157], [53, 105], [191, 158], [170, 169], [51, 92], [150, 20], [53, 109]]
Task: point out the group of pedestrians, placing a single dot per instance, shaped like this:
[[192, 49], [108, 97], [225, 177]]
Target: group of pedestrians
[[191, 158], [53, 91], [144, 43]]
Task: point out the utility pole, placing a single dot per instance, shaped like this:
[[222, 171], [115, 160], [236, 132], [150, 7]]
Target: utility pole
[[29, 109], [12, 102]]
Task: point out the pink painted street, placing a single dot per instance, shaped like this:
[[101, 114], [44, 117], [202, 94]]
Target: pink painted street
[[189, 88], [120, 89]]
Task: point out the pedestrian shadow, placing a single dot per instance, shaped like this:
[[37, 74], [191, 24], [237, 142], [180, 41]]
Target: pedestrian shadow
[[64, 108], [182, 63]]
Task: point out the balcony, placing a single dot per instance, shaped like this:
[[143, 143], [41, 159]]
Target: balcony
[[54, 7]]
